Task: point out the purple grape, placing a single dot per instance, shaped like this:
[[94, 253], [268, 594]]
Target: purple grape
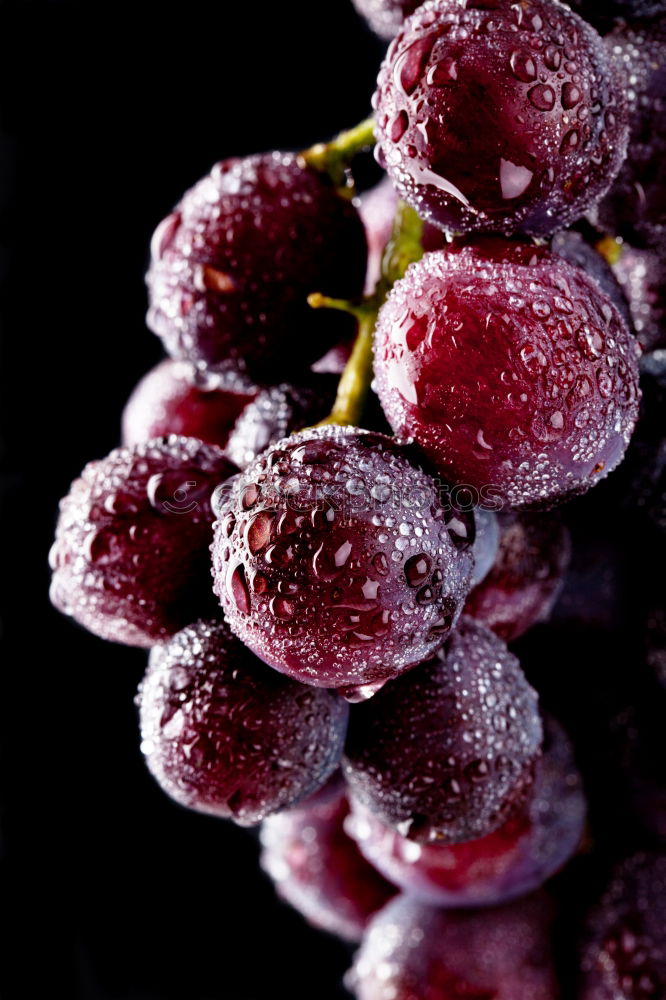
[[447, 752], [225, 735], [277, 412], [523, 585], [412, 951], [130, 559], [635, 206], [338, 562], [509, 862], [642, 275], [500, 117], [510, 369], [168, 401], [318, 869], [624, 957], [233, 265]]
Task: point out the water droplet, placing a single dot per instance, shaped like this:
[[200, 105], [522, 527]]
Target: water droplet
[[442, 73], [237, 587], [569, 142], [605, 384], [282, 607], [250, 496], [542, 97], [258, 532], [380, 564], [380, 493], [417, 569], [571, 96], [259, 583], [279, 555], [100, 546], [355, 487], [398, 126], [410, 66], [522, 66], [425, 596]]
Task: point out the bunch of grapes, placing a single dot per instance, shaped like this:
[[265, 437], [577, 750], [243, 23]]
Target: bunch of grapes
[[328, 583]]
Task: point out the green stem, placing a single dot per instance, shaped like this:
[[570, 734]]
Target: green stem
[[334, 157], [403, 248], [357, 375]]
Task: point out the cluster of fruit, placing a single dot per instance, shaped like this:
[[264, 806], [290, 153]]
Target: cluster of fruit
[[345, 678]]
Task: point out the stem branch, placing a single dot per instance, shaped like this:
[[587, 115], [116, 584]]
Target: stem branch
[[334, 157]]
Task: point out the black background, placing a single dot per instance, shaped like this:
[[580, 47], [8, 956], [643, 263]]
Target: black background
[[109, 111]]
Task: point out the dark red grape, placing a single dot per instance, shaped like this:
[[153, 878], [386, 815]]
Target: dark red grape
[[233, 265], [574, 247], [523, 585], [168, 401], [225, 735], [338, 562], [635, 206], [318, 869], [510, 369], [277, 412], [130, 559], [412, 951], [500, 116], [624, 957], [385, 17], [642, 275], [512, 861], [447, 752]]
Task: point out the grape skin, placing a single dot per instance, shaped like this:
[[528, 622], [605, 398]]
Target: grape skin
[[130, 559], [510, 369], [506, 119], [509, 862], [336, 561], [224, 735], [447, 751]]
